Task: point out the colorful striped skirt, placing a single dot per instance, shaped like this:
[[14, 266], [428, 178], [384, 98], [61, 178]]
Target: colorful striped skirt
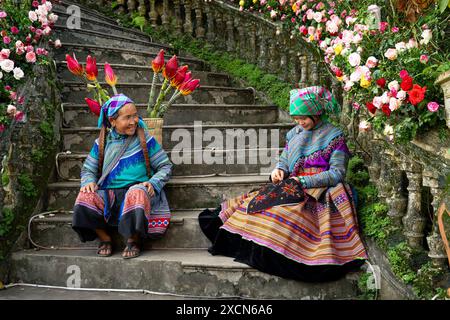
[[131, 210], [316, 239]]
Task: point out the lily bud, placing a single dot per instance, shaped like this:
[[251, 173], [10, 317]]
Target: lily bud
[[158, 62], [94, 106], [110, 77], [91, 68], [188, 87], [171, 68], [73, 65], [178, 79]]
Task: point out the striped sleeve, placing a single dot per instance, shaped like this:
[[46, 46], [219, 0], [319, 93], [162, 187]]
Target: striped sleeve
[[283, 162], [160, 165], [90, 167]]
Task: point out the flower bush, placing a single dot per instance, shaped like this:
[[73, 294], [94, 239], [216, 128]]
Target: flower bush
[[387, 55], [23, 29]]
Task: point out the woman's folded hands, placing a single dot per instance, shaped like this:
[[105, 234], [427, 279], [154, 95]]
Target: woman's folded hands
[[149, 187]]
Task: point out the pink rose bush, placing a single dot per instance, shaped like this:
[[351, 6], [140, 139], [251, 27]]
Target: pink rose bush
[[24, 30], [365, 52]]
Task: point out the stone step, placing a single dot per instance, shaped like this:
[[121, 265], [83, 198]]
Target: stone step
[[56, 231], [87, 12], [83, 36], [79, 115], [117, 55], [243, 161], [182, 192], [91, 22], [75, 92], [190, 136], [132, 73], [191, 272]]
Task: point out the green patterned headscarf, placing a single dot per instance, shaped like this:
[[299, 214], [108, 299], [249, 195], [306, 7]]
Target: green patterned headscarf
[[313, 101]]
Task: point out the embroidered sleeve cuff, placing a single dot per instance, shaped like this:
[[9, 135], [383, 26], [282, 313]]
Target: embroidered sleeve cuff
[[155, 185]]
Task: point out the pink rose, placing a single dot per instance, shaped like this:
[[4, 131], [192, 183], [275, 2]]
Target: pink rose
[[31, 57], [354, 59], [6, 40], [433, 106], [4, 54], [3, 14], [404, 73], [394, 29], [2, 127], [424, 58], [383, 26], [19, 116], [14, 30], [371, 62], [11, 110]]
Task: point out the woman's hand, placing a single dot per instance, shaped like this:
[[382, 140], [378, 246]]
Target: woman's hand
[[89, 188], [149, 187], [277, 175]]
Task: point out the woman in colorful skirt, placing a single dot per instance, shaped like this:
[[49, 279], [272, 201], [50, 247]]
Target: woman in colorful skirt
[[303, 224], [122, 182]]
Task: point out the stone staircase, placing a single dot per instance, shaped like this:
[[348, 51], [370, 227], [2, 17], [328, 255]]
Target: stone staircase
[[179, 262]]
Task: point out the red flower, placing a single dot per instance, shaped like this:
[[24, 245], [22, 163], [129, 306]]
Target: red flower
[[403, 73], [370, 106], [407, 83], [91, 68], [178, 79], [386, 110], [187, 87], [339, 73], [417, 94], [158, 62], [94, 106], [171, 68], [73, 65], [381, 82]]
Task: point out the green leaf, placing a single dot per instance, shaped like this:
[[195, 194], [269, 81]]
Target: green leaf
[[443, 5]]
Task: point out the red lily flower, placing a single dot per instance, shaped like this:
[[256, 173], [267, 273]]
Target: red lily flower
[[188, 87], [91, 68], [110, 76], [171, 68], [94, 106], [178, 79], [158, 62], [73, 65]]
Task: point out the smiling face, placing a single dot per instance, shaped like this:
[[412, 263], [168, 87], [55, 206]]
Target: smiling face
[[127, 120], [306, 122]]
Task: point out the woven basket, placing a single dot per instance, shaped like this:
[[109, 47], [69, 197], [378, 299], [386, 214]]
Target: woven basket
[[155, 126]]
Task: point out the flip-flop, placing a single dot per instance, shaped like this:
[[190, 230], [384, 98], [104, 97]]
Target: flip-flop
[[134, 248], [104, 245]]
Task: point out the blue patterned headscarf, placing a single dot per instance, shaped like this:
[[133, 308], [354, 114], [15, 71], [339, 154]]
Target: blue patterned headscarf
[[111, 107]]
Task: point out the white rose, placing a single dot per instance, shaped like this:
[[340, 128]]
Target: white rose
[[385, 98], [49, 6], [318, 17], [401, 46], [426, 35], [18, 73], [388, 130], [412, 43], [401, 95], [391, 54], [354, 59], [32, 15], [348, 85], [7, 65], [393, 85], [11, 109], [371, 62], [364, 126], [377, 102], [356, 75], [394, 104], [52, 17]]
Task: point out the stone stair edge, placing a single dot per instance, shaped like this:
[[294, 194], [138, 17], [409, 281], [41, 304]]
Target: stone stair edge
[[66, 4], [110, 24], [111, 36], [147, 84], [186, 180], [190, 126]]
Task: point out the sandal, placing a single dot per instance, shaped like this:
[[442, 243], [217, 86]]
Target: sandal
[[105, 245], [132, 247]]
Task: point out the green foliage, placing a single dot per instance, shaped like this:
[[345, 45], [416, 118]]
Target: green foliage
[[46, 129], [399, 257], [357, 174], [27, 186], [425, 279], [6, 222], [366, 292]]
